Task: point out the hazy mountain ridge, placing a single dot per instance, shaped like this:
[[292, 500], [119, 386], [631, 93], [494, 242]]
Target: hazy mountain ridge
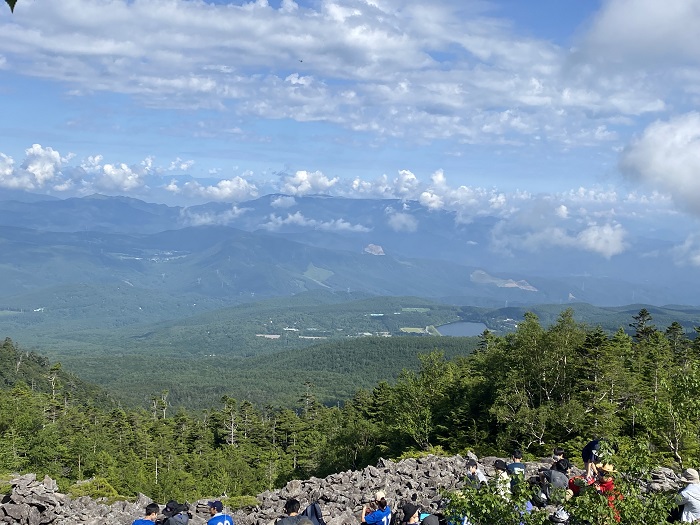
[[279, 244]]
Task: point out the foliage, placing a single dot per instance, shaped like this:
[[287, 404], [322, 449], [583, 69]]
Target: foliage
[[95, 488], [240, 502], [11, 3], [533, 389]]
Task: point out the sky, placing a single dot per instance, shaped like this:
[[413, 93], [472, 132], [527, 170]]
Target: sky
[[588, 108]]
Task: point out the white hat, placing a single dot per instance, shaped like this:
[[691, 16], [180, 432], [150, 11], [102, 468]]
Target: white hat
[[379, 496], [690, 475]]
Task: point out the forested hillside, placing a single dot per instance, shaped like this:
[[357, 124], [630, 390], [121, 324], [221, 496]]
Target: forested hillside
[[534, 388]]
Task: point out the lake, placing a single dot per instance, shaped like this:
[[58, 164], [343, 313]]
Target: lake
[[461, 329]]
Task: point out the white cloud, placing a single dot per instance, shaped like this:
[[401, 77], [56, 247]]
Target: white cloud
[[177, 165], [688, 253], [192, 218], [236, 189], [297, 219], [417, 71], [607, 239], [562, 212], [283, 201], [667, 157], [118, 177], [305, 182], [401, 222], [44, 164], [640, 31], [7, 166]]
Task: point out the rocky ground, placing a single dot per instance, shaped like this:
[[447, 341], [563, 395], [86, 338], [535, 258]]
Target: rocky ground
[[341, 496]]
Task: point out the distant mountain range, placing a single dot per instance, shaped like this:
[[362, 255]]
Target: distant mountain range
[[281, 245]]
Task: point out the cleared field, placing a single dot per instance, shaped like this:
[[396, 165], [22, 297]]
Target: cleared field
[[410, 330]]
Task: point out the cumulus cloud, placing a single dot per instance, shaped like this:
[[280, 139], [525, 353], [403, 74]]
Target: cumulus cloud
[[606, 240], [194, 218], [42, 163], [283, 201], [305, 183], [118, 177], [7, 167], [40, 169], [667, 157], [404, 186], [562, 212], [177, 165], [297, 219], [236, 189], [401, 221]]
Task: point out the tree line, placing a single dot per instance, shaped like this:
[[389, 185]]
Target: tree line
[[531, 389]]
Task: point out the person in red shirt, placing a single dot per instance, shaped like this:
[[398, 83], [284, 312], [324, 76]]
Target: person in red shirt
[[606, 486]]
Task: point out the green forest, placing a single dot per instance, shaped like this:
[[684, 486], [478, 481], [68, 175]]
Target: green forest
[[533, 388]]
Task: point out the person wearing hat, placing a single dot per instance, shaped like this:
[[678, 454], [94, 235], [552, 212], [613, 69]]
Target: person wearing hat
[[381, 516], [689, 496], [502, 478], [606, 485], [176, 513], [150, 515], [411, 513], [216, 511]]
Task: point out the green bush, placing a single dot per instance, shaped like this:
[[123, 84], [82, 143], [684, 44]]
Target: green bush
[[94, 488], [241, 502]]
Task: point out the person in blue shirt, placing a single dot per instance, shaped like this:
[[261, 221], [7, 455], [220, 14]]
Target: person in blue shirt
[[216, 510], [381, 516], [151, 514]]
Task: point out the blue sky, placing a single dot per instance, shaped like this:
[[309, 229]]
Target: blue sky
[[477, 106]]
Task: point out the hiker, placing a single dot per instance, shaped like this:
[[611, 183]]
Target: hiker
[[381, 516], [555, 482], [411, 514], [516, 466], [291, 509], [150, 515], [474, 475], [557, 454], [502, 478], [591, 456], [606, 486], [176, 513], [216, 511], [689, 496]]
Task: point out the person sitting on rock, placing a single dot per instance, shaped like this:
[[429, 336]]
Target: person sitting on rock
[[381, 516], [150, 515], [216, 511], [291, 509], [689, 496], [555, 481], [474, 475], [605, 485]]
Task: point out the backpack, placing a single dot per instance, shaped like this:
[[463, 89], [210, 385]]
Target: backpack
[[313, 512]]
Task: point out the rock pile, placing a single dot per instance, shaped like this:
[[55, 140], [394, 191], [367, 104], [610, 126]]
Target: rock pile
[[341, 496]]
